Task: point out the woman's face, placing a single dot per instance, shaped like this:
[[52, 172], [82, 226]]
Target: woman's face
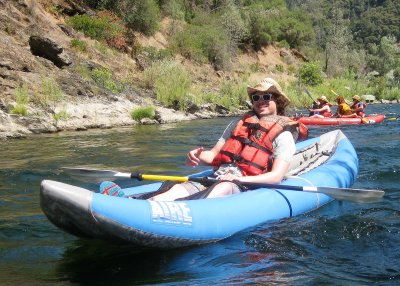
[[264, 103]]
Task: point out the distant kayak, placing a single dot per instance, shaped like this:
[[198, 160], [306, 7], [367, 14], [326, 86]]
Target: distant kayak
[[371, 119], [326, 161]]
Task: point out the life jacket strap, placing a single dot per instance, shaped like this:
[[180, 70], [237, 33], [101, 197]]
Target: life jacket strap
[[238, 158], [256, 126], [247, 141]]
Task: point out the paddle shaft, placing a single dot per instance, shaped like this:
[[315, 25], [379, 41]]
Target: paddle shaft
[[309, 94], [357, 195], [209, 181], [334, 92], [346, 194]]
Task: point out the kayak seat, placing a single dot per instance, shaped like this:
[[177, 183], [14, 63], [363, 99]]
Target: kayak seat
[[204, 194], [165, 186]]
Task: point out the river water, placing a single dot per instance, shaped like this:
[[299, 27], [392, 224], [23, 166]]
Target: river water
[[342, 243]]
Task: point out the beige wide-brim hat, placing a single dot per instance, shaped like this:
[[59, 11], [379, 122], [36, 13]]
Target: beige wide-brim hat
[[269, 85], [323, 98], [357, 97]]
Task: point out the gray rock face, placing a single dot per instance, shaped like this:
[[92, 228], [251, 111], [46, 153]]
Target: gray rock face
[[48, 49]]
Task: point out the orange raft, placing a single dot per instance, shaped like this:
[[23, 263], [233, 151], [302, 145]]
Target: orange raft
[[371, 119]]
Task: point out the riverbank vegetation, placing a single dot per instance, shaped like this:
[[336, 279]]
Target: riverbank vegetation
[[343, 51], [185, 54]]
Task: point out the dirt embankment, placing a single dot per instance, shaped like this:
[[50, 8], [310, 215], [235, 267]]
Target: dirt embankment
[[36, 54]]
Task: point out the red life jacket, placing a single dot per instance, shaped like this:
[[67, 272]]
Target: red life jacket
[[325, 113], [250, 144]]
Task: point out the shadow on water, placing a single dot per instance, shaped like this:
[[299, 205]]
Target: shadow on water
[[92, 262]]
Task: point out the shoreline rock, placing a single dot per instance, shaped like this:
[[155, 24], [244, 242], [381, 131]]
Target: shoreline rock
[[93, 114]]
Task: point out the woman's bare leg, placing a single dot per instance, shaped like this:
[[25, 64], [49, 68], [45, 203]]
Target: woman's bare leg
[[176, 192], [223, 189]]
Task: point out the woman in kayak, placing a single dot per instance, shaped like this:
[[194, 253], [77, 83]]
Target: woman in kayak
[[324, 108], [255, 148], [358, 106]]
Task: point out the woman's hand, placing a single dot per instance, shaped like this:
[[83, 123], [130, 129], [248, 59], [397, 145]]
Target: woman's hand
[[193, 157]]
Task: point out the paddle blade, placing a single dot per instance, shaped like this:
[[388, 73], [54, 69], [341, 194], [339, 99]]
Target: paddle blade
[[353, 195], [94, 175]]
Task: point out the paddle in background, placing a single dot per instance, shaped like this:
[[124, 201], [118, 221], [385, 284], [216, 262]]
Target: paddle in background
[[314, 102], [394, 118], [343, 194]]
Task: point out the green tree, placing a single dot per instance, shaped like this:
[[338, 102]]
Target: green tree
[[235, 27], [385, 56], [295, 29], [337, 47]]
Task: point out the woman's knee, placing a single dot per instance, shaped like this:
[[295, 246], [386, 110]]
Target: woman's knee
[[223, 189]]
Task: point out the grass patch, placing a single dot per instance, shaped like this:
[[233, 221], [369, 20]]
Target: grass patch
[[84, 71], [171, 82], [79, 45], [20, 110], [49, 94], [62, 115], [143, 112], [22, 99], [233, 94]]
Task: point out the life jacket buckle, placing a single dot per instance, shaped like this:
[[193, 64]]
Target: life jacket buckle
[[236, 158], [254, 125], [247, 141]]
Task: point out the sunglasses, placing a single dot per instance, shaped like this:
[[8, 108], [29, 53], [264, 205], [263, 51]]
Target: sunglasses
[[265, 97]]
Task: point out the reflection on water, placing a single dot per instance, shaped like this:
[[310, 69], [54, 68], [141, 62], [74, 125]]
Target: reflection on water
[[339, 244]]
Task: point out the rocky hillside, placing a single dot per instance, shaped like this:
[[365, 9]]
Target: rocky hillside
[[39, 64]]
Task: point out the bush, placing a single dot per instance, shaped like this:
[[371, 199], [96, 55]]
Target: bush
[[104, 77], [143, 112], [310, 74], [155, 54], [105, 26], [204, 44], [141, 15]]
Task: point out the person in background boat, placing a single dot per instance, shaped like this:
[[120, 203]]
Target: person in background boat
[[314, 105], [358, 106], [343, 109], [324, 108], [255, 148]]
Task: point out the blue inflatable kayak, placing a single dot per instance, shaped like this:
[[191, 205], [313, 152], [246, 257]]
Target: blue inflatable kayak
[[327, 161]]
